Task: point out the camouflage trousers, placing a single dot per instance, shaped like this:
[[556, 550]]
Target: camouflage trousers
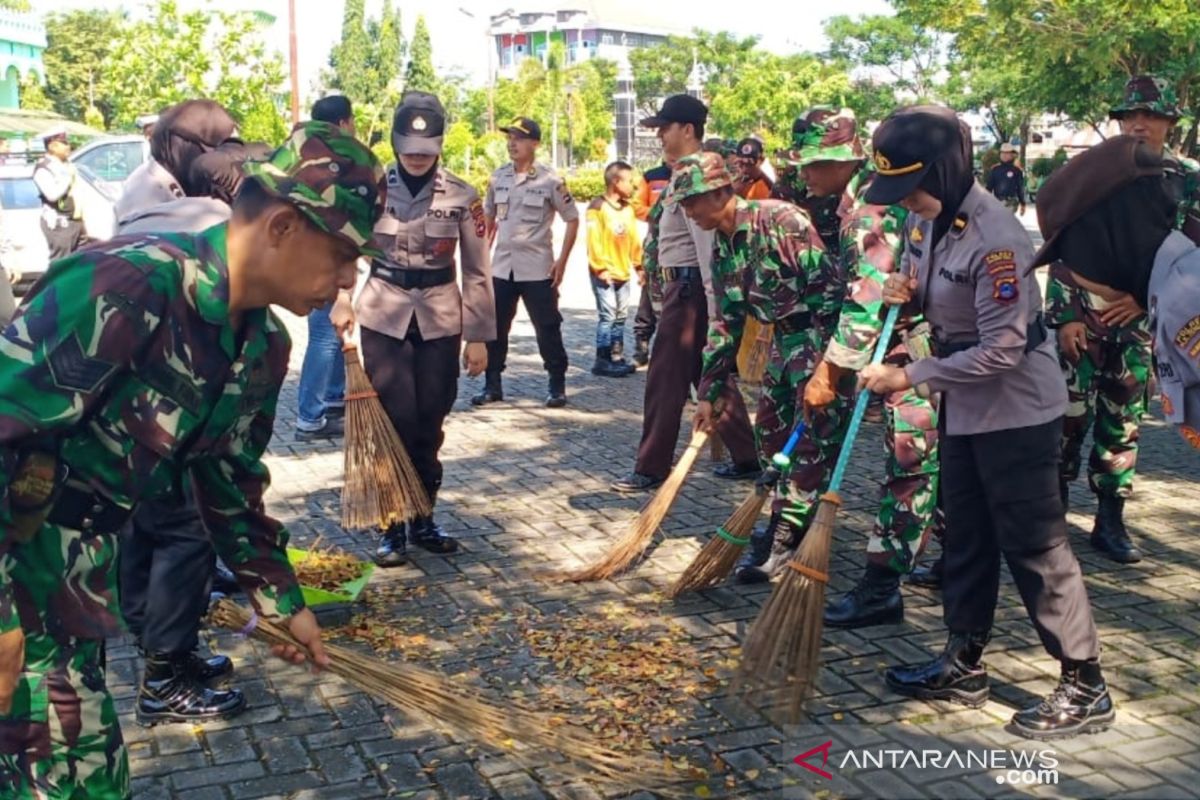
[[779, 409], [61, 740], [909, 495], [1106, 394]]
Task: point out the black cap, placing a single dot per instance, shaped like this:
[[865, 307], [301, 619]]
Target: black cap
[[681, 108], [524, 128], [750, 147], [906, 146], [418, 125]]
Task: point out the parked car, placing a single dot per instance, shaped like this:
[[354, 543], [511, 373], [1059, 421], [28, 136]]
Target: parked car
[[109, 160], [23, 249]]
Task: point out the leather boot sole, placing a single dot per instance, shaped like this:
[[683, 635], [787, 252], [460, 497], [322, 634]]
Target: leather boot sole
[[391, 560], [966, 697], [149, 719], [891, 616], [450, 546], [1096, 724], [1131, 556]]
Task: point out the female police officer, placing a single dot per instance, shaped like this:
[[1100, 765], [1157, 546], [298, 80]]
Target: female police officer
[[413, 315], [1003, 404]]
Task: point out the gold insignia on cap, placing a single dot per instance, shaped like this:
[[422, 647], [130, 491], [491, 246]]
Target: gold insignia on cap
[[884, 166], [419, 124]]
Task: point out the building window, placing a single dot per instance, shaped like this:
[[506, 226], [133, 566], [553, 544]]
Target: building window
[[606, 38]]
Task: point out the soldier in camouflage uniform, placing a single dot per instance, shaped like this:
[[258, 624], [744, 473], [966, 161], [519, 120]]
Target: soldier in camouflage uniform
[[768, 262], [822, 210], [132, 367], [1104, 347], [832, 163]]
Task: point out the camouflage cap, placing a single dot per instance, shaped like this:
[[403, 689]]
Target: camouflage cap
[[331, 177], [831, 137], [790, 156], [698, 174], [1148, 93]]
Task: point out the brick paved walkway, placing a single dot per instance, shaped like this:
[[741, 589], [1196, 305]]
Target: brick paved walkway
[[526, 490]]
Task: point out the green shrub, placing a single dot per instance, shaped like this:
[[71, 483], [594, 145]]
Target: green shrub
[[586, 184]]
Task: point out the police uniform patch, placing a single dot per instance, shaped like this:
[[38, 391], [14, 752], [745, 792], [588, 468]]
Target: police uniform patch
[[1190, 330], [71, 368], [1190, 435], [564, 192], [1005, 289], [916, 235], [1167, 406], [478, 218], [998, 262]]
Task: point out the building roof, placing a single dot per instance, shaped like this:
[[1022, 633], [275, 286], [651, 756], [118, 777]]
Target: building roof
[[22, 28], [621, 15]]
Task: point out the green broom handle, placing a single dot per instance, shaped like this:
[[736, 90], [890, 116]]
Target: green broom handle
[[864, 397]]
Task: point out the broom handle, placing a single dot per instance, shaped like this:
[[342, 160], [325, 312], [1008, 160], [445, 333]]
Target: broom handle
[[864, 397]]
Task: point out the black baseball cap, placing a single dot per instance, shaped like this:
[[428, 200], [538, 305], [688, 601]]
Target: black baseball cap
[[906, 146], [750, 147], [681, 108], [418, 125], [525, 128]]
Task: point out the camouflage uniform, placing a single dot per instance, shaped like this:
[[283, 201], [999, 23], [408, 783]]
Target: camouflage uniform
[[123, 372], [823, 211], [1108, 386], [871, 242], [773, 267]]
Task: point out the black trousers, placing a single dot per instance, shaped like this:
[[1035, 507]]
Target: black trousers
[[1001, 496], [62, 241], [541, 303], [417, 381], [646, 321], [166, 567]]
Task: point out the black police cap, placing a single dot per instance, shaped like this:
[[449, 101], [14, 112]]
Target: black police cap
[[906, 145], [419, 114], [525, 128], [681, 108]]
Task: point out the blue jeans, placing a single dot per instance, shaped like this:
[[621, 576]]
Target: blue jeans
[[612, 304], [323, 375]]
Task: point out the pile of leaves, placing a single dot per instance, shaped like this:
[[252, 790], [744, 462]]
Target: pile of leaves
[[327, 568]]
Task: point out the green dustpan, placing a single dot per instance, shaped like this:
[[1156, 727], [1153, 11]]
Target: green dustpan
[[348, 592]]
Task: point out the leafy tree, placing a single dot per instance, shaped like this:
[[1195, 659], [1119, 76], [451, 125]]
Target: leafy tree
[[32, 96], [663, 69], [351, 58], [77, 44], [907, 52], [420, 75]]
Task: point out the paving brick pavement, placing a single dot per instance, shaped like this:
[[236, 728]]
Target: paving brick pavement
[[526, 490]]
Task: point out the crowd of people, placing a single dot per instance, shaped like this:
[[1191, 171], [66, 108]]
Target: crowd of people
[[139, 379]]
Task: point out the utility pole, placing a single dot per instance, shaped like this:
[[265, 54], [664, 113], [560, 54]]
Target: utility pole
[[293, 58]]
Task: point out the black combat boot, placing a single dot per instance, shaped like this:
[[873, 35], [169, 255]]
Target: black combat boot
[[1109, 535], [428, 535], [206, 670], [929, 576], [641, 352], [223, 580], [604, 366], [556, 395], [618, 357], [956, 675], [1080, 704], [493, 390], [392, 550], [784, 539], [172, 692], [757, 552], [876, 600]]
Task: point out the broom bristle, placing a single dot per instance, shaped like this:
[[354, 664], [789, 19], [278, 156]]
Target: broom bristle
[[716, 449], [639, 535], [754, 355], [382, 486], [782, 653], [717, 558], [523, 733]]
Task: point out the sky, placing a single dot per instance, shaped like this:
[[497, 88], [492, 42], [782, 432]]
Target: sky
[[458, 39]]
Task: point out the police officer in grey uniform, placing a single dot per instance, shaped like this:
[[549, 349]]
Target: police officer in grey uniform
[[413, 315], [522, 199], [1003, 402], [54, 176]]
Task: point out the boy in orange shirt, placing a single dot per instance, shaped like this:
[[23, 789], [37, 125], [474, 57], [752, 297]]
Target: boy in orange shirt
[[614, 252]]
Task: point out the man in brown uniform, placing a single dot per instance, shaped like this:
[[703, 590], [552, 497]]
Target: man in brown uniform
[[522, 198], [677, 259], [413, 316]]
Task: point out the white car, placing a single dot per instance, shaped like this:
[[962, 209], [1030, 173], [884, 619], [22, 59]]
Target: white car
[[109, 160], [23, 250]]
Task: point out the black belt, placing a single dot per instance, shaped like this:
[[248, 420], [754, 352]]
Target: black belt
[[413, 278], [681, 273], [1035, 334], [79, 508], [799, 322]]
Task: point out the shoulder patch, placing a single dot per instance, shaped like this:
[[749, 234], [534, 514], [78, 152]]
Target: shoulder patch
[[477, 217], [915, 235], [563, 192], [1190, 330], [74, 370], [1005, 289], [1190, 435], [1000, 261]]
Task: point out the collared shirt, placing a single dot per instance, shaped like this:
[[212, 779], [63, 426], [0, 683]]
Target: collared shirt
[[976, 287], [1006, 180], [612, 239], [55, 180], [523, 208], [149, 185], [1175, 316], [424, 233], [125, 359]]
